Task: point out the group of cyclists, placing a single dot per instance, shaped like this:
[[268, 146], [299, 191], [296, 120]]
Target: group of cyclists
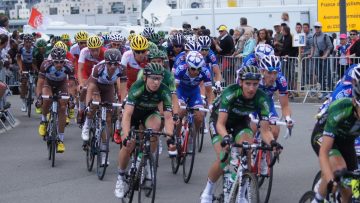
[[154, 76]]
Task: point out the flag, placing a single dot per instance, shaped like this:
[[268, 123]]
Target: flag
[[36, 18]]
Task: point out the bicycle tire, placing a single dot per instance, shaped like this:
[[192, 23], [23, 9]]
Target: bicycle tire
[[175, 161], [251, 192], [316, 179], [101, 169], [265, 182], [131, 180], [307, 197], [146, 191], [90, 150], [190, 151], [200, 137], [29, 100], [53, 142]]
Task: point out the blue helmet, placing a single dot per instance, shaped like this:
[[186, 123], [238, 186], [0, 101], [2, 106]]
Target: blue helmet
[[204, 41], [195, 60], [262, 50], [270, 63], [249, 60], [192, 46]]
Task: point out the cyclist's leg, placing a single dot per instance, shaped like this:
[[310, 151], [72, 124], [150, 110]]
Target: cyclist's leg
[[153, 121], [23, 89], [46, 90], [195, 100], [62, 87], [182, 97], [92, 93], [106, 95]]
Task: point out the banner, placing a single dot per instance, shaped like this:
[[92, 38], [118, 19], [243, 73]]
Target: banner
[[35, 19], [232, 3], [329, 15]]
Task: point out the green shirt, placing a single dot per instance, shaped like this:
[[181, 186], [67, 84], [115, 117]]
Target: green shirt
[[341, 119], [144, 100], [232, 102]]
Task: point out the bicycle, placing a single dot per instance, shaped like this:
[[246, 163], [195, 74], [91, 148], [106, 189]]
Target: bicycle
[[99, 136], [29, 96], [186, 144], [238, 181], [51, 136], [258, 164], [142, 173]]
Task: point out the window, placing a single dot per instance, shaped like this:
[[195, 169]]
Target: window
[[100, 10], [74, 10], [53, 11]]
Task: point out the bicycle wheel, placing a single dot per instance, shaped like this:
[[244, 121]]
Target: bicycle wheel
[[265, 181], [200, 137], [175, 161], [316, 180], [90, 150], [29, 100], [248, 189], [189, 156], [307, 197], [53, 138], [147, 184], [132, 180], [102, 151]]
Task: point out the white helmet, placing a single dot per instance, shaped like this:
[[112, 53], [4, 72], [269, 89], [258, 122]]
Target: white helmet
[[195, 60], [355, 74], [262, 50], [117, 37]]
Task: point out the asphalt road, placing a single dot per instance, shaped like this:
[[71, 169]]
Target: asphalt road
[[26, 174]]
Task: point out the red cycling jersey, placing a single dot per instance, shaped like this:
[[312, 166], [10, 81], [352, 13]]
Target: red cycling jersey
[[89, 61], [132, 67]]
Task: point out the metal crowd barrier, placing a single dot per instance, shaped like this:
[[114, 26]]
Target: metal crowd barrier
[[10, 75], [228, 66]]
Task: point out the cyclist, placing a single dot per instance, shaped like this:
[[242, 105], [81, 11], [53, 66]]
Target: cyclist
[[188, 77], [135, 59], [101, 87], [261, 50], [53, 77], [66, 39], [117, 42], [274, 81], [141, 108], [189, 46], [231, 111], [89, 56], [80, 39], [62, 45], [333, 140], [176, 45], [24, 60], [210, 59], [127, 43], [105, 38], [38, 58]]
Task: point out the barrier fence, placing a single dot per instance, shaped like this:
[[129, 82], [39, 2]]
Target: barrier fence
[[310, 76]]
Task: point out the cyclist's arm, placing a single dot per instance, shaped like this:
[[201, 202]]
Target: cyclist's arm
[[175, 103], [221, 123], [209, 95], [217, 72], [41, 79], [326, 145], [285, 108], [80, 77], [34, 64], [19, 62], [126, 119]]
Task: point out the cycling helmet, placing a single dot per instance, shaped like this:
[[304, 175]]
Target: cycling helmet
[[192, 46], [28, 37], [94, 42], [204, 41], [65, 37], [58, 53], [195, 60], [178, 39], [41, 43], [157, 54], [248, 73], [56, 39], [112, 55], [116, 37], [161, 34], [132, 35], [356, 92], [270, 63], [154, 69], [152, 46], [155, 37], [81, 36], [355, 74], [61, 45], [190, 38], [139, 43], [148, 31], [262, 50]]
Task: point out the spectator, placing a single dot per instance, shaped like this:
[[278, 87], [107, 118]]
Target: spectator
[[244, 25], [225, 46], [4, 38], [249, 45], [288, 50], [340, 51], [321, 47], [309, 39], [270, 36], [285, 18], [277, 39], [239, 44], [231, 32], [307, 75], [298, 28], [354, 49], [263, 37]]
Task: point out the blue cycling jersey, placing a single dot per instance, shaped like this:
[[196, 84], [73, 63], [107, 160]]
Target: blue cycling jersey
[[211, 59], [184, 80], [347, 75], [180, 59], [279, 84], [249, 60]]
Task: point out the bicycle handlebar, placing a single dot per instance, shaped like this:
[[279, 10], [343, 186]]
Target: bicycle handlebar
[[278, 123], [106, 104], [195, 109], [151, 132], [51, 97]]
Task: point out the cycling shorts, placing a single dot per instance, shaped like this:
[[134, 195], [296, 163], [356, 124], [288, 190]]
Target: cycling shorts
[[190, 96]]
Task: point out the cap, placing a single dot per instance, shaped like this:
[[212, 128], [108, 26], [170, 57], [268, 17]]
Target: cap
[[277, 24], [343, 36], [317, 24], [222, 28]]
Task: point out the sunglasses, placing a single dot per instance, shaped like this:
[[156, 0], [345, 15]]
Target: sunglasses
[[352, 34], [195, 69], [155, 78], [205, 49], [58, 61], [221, 31], [317, 27], [116, 44], [112, 63], [81, 43], [140, 52]]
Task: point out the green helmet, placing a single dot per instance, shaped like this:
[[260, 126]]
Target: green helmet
[[156, 53], [161, 34], [154, 69], [152, 46], [249, 72], [41, 43], [155, 37]]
